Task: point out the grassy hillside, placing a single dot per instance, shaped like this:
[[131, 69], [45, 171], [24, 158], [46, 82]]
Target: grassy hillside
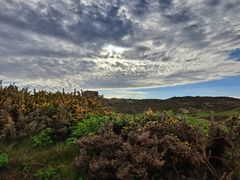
[[189, 104]]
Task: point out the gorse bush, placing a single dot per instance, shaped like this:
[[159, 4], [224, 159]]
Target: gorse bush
[[43, 139], [24, 113], [3, 160]]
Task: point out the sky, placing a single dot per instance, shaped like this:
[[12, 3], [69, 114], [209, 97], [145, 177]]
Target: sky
[[123, 48], [218, 88]]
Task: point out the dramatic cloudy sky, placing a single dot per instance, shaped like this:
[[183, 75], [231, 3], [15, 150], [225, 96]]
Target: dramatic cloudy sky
[[119, 44]]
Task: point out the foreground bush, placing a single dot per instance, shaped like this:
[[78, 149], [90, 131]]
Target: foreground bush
[[151, 149], [158, 147], [24, 113]]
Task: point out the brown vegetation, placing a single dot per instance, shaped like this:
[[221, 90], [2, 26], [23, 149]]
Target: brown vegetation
[[161, 147], [23, 113]]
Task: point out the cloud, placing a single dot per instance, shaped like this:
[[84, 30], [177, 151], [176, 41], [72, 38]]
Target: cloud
[[126, 94], [100, 44]]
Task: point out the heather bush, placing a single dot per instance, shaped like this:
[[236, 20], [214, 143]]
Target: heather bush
[[160, 147], [222, 149], [145, 150], [233, 139]]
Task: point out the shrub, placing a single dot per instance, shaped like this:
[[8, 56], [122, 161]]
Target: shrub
[[144, 150], [43, 139], [46, 174], [161, 147], [23, 113], [232, 121], [3, 160], [90, 125]]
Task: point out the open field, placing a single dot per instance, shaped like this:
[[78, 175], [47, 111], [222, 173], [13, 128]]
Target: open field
[[74, 136]]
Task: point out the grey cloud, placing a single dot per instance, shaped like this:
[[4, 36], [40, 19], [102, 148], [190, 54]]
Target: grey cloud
[[214, 2], [94, 26], [179, 16], [91, 23], [165, 4], [28, 19], [117, 43]]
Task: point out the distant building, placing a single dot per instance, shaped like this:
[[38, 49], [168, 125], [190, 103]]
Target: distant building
[[90, 93]]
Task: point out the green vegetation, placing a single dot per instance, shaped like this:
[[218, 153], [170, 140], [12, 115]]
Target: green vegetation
[[3, 160], [89, 125], [217, 116], [201, 123], [30, 161], [68, 136], [45, 174], [43, 139]]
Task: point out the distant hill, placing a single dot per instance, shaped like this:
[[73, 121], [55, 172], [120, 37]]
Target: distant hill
[[176, 103]]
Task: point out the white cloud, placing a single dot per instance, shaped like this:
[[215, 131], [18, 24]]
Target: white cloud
[[117, 44], [125, 94]]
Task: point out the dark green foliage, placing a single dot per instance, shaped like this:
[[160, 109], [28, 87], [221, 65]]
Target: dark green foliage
[[3, 160], [43, 139], [46, 174], [90, 125]]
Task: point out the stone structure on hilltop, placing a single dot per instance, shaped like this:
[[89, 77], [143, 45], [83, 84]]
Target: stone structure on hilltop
[[90, 93]]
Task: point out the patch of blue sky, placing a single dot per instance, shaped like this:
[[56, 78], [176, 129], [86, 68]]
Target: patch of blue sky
[[230, 86], [235, 54]]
